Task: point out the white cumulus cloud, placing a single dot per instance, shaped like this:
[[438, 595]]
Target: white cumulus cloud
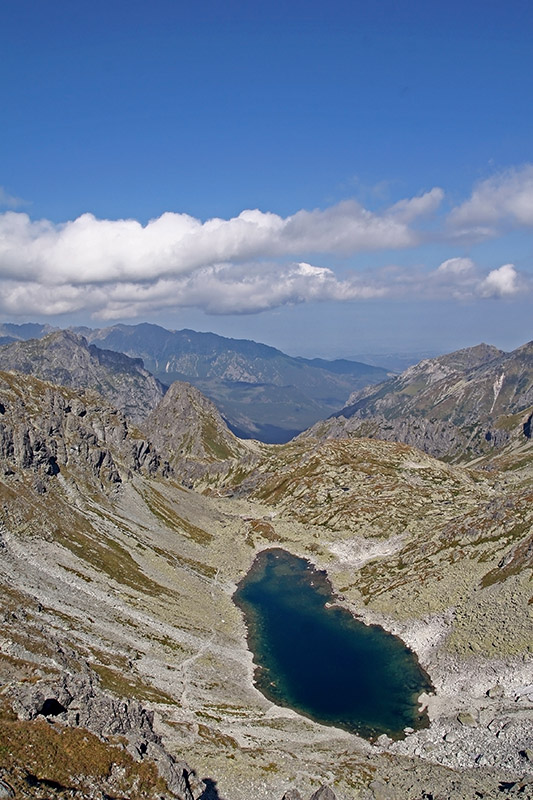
[[254, 287], [462, 279], [456, 278], [217, 289], [118, 269], [456, 266], [504, 199], [501, 282], [424, 204], [91, 250]]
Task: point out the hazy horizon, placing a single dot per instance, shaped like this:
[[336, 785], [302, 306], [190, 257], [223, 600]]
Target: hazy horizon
[[379, 356]]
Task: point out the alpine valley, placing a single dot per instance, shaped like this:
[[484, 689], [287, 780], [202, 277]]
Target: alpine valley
[[130, 511]]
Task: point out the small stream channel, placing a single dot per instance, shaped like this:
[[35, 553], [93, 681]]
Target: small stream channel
[[317, 659]]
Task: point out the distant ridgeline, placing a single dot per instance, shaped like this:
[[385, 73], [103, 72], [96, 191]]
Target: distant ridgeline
[[261, 392], [459, 407]]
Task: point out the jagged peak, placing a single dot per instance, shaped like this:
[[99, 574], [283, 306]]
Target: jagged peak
[[187, 425], [64, 336], [46, 428]]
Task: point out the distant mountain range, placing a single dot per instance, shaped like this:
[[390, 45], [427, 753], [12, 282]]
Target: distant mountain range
[[261, 392], [458, 406]]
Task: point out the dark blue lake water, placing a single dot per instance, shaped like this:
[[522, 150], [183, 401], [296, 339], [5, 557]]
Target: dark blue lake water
[[319, 660]]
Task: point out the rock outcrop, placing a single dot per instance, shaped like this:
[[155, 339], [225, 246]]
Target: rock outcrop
[[46, 428], [186, 425], [77, 701]]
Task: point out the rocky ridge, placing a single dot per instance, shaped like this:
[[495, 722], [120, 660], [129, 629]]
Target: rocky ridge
[[460, 406], [187, 428], [48, 430], [66, 358]]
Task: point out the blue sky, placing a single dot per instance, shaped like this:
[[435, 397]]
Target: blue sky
[[331, 179]]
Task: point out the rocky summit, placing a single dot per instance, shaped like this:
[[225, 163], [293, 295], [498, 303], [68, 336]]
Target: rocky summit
[[124, 665]]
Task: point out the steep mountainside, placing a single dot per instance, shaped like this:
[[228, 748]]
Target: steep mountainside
[[459, 406], [262, 392], [189, 432], [50, 429], [66, 358]]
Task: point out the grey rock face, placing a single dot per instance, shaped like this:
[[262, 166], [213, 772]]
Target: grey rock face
[[46, 429], [186, 425], [466, 718], [6, 791], [382, 791], [324, 793], [457, 406]]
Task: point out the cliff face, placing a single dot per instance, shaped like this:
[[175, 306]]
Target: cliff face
[[50, 430], [459, 407], [67, 359]]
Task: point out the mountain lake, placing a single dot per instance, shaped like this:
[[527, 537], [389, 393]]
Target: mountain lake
[[314, 657]]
